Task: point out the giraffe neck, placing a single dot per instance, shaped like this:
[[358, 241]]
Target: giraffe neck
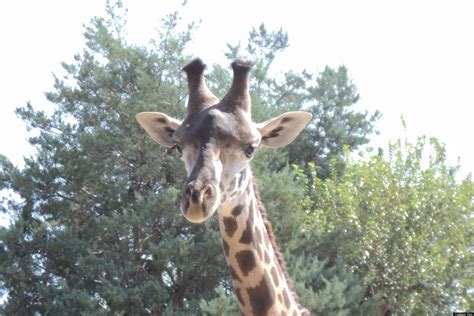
[[257, 268]]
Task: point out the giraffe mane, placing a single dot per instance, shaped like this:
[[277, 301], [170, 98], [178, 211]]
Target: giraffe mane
[[272, 237]]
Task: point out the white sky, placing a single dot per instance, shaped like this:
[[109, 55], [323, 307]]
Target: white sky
[[410, 58]]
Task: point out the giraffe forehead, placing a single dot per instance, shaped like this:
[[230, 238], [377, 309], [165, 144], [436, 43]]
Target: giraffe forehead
[[217, 126]]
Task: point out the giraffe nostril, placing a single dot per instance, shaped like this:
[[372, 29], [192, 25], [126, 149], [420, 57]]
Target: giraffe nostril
[[207, 192], [189, 190], [193, 193], [198, 195]]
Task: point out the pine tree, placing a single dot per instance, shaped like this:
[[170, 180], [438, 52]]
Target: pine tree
[[332, 100]]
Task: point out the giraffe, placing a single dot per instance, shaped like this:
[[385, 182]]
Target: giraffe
[[217, 140]]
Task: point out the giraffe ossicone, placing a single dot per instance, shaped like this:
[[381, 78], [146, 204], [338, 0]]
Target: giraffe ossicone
[[218, 139]]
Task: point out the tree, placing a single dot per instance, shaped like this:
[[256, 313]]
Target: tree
[[336, 125], [405, 223]]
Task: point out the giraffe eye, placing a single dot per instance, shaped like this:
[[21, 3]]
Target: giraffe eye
[[249, 150]]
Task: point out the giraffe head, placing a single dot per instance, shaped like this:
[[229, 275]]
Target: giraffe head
[[217, 139]]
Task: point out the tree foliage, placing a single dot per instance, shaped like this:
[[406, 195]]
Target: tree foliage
[[405, 223]]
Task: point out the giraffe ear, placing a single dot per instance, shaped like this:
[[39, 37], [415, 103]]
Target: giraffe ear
[[282, 130], [159, 126]]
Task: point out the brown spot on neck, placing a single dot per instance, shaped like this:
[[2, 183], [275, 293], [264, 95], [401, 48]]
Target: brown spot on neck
[[247, 234], [230, 225], [262, 297], [237, 210], [246, 261]]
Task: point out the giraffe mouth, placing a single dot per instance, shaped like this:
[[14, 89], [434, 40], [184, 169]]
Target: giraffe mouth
[[199, 202]]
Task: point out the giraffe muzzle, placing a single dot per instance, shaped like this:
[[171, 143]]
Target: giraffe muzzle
[[199, 202]]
